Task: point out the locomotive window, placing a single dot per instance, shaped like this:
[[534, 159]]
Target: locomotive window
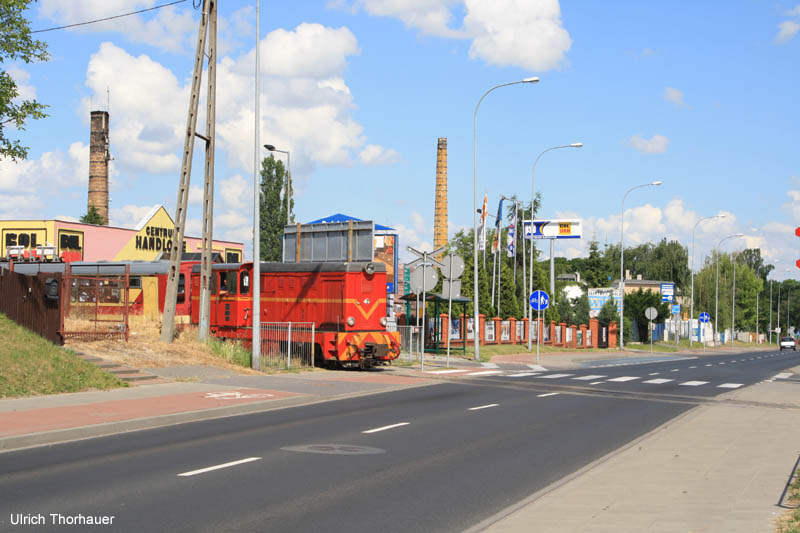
[[213, 284], [231, 282], [227, 282], [135, 282], [244, 283]]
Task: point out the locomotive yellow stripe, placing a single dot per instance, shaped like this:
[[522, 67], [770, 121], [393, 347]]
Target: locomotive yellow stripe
[[365, 313]]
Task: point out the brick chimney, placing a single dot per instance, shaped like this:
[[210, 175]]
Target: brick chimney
[[99, 157], [440, 206]]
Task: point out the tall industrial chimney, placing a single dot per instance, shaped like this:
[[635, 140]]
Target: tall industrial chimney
[[440, 209], [99, 157]]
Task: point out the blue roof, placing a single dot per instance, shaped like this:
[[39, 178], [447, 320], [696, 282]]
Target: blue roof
[[339, 217]]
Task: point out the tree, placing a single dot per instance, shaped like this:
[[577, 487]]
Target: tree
[[16, 44], [93, 216], [608, 313], [635, 305], [272, 208]]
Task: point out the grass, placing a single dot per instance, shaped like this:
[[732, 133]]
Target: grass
[[232, 352], [790, 522], [31, 365]]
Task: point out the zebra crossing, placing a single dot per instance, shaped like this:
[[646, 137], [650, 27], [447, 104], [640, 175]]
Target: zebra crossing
[[595, 379]]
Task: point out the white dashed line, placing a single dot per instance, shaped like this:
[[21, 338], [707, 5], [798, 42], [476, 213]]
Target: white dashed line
[[708, 365], [624, 378], [595, 382], [446, 371], [484, 373], [654, 374], [522, 374], [658, 381], [554, 376], [589, 378], [548, 394], [384, 428], [730, 385], [217, 467], [692, 367], [694, 383], [674, 370], [537, 368], [483, 407], [722, 363]]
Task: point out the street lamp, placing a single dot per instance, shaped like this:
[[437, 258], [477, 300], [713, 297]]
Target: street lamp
[[716, 297], [691, 312], [475, 206], [255, 285], [622, 261], [528, 310], [770, 305], [272, 148]]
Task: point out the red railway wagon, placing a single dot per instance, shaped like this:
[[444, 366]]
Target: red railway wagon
[[345, 301]]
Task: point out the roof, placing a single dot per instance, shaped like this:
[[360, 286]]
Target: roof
[[339, 217]]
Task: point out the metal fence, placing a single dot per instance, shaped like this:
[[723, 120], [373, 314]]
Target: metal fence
[[286, 345], [96, 306], [25, 300], [409, 343]]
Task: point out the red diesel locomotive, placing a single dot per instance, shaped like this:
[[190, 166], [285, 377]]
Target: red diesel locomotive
[[345, 301]]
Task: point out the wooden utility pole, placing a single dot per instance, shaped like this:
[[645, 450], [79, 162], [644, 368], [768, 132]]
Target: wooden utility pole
[[208, 23]]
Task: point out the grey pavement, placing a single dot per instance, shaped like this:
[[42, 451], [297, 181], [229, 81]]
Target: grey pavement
[[722, 466]]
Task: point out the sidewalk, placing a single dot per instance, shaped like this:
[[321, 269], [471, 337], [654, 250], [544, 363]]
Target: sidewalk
[[720, 467], [193, 393]]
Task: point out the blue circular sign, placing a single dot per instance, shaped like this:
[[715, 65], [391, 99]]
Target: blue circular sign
[[704, 317], [539, 300]]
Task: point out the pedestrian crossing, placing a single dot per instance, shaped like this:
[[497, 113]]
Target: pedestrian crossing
[[591, 379]]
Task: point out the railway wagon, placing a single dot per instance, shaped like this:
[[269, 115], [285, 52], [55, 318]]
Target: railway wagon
[[345, 301], [146, 291]]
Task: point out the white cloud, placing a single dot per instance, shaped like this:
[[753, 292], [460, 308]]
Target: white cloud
[[24, 90], [786, 31], [793, 205], [674, 96], [647, 52], [418, 222], [128, 216], [655, 145], [795, 12], [237, 193], [374, 154], [171, 28], [53, 170], [503, 32], [517, 32]]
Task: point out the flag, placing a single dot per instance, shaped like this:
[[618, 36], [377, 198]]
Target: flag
[[510, 240], [482, 226], [498, 224]]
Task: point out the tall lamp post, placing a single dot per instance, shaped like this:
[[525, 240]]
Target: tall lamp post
[[622, 261], [691, 312], [528, 311], [272, 148], [255, 285], [770, 306], [716, 297], [475, 207]]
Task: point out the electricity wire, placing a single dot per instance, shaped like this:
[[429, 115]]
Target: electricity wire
[[110, 18]]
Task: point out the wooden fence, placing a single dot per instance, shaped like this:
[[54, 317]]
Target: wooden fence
[[23, 300]]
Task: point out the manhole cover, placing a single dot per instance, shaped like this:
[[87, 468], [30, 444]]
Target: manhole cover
[[334, 449]]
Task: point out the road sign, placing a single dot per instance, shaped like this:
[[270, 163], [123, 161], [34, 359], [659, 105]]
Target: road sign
[[451, 287], [704, 317], [676, 309], [552, 229], [539, 300], [458, 266], [667, 292], [425, 257], [651, 313], [420, 284]]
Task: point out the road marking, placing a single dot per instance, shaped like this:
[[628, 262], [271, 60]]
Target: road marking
[[624, 378], [554, 376], [730, 385], [384, 428], [453, 371], [692, 367], [694, 383], [722, 363], [708, 365], [489, 365], [226, 465], [537, 368], [587, 378], [234, 395], [595, 382], [658, 381], [674, 370], [783, 375], [522, 374], [484, 373], [483, 407], [654, 374], [548, 394]]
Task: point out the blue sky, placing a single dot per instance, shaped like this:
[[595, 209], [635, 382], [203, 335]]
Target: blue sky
[[700, 95]]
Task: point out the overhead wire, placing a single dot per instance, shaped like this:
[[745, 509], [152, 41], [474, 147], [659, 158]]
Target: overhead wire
[[111, 18]]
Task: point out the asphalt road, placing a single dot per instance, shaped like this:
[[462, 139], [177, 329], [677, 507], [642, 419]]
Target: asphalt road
[[439, 458]]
